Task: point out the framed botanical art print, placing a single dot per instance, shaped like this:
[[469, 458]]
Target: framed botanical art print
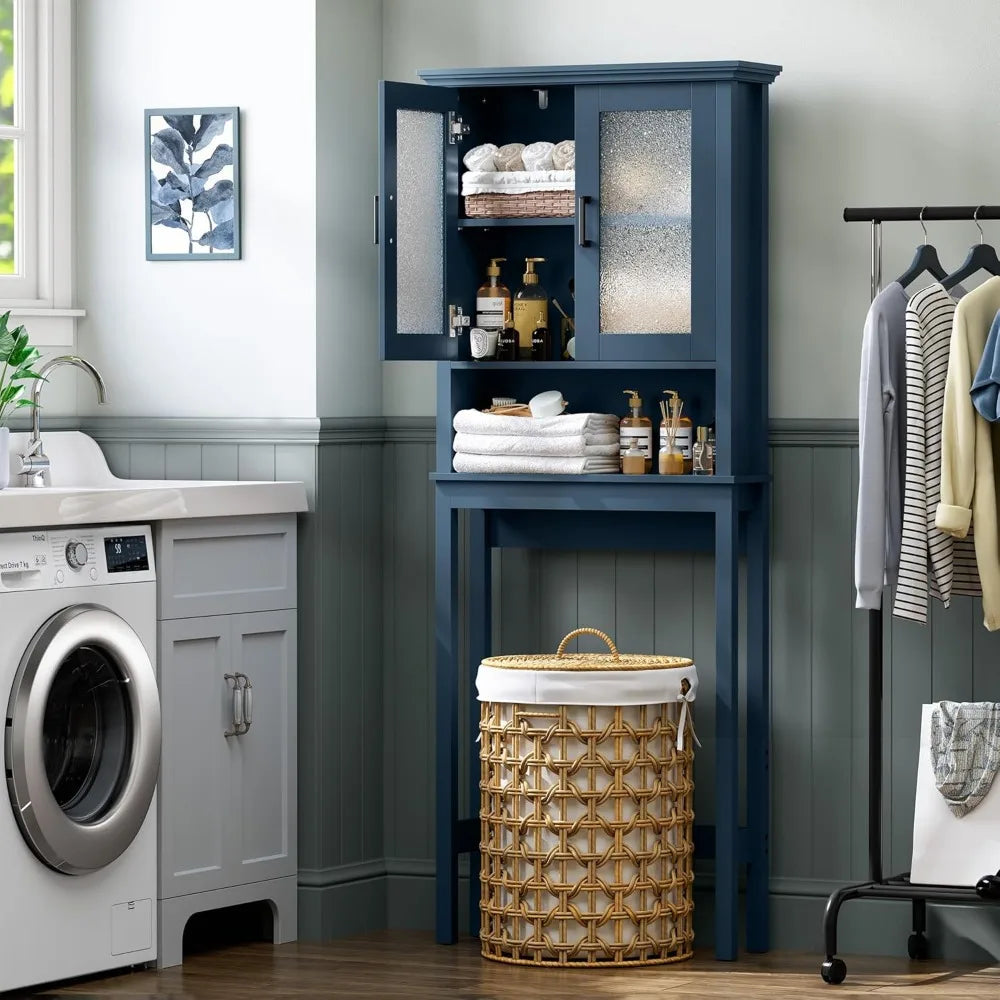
[[193, 176]]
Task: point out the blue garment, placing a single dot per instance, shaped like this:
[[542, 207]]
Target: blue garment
[[985, 391]]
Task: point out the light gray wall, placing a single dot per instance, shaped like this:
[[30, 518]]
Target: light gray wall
[[878, 103], [348, 68], [179, 338]]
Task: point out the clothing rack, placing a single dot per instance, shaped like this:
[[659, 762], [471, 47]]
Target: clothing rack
[[898, 887]]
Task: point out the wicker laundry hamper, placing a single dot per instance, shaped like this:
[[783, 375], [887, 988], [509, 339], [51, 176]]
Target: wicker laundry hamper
[[586, 808]]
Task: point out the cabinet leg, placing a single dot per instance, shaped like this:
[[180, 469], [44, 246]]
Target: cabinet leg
[[726, 731], [446, 720], [758, 723], [479, 632], [170, 938]]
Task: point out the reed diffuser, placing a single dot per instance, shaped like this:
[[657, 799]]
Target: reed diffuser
[[671, 459]]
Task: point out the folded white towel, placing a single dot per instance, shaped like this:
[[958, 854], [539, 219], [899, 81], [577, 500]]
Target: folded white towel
[[476, 422], [537, 156], [481, 157], [517, 181], [566, 445], [534, 464]]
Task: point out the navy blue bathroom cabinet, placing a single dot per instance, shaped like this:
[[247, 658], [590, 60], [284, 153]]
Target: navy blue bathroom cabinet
[[667, 254]]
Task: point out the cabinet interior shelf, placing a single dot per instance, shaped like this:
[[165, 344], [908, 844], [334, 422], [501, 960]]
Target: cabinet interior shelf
[[567, 220], [568, 366], [662, 482]]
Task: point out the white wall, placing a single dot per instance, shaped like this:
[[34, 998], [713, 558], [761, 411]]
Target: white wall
[[880, 102], [178, 339], [348, 68]]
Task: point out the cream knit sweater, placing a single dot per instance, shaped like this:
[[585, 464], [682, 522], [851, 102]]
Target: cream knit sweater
[[968, 487]]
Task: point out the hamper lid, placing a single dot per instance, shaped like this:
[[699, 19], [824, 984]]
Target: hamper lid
[[587, 678], [587, 661]]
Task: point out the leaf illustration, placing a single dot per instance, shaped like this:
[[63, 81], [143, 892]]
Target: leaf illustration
[[218, 192], [220, 238], [183, 124], [172, 189], [167, 147], [223, 211], [222, 156], [208, 128], [164, 215], [197, 185]]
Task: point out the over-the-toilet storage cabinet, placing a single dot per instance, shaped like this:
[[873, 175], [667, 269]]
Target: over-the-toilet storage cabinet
[[668, 251], [227, 803]]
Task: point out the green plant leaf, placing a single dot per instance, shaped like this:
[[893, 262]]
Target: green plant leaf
[[23, 403], [6, 346], [10, 392]]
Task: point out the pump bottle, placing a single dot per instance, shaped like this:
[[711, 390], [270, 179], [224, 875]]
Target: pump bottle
[[636, 430], [530, 301], [493, 302]]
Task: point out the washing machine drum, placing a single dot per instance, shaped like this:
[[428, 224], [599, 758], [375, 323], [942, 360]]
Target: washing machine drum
[[82, 739]]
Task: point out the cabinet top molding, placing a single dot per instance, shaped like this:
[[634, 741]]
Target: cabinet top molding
[[687, 72]]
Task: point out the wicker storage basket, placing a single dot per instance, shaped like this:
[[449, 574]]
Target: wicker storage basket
[[586, 809], [533, 204]]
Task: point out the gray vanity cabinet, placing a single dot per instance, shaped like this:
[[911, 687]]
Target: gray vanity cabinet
[[227, 795]]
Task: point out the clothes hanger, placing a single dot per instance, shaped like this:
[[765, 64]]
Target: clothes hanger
[[982, 257], [925, 259]]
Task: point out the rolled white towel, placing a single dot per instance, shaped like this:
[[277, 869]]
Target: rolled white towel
[[508, 157], [481, 157], [564, 155], [476, 422], [567, 445], [505, 465], [537, 156]]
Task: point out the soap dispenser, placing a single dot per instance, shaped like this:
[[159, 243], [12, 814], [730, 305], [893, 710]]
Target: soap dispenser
[[530, 301], [541, 341], [635, 430], [493, 302]]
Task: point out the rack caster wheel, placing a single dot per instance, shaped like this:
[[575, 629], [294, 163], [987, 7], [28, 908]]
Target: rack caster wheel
[[833, 971], [917, 947]]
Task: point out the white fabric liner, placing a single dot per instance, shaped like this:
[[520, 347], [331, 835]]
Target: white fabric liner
[[517, 181], [585, 687]]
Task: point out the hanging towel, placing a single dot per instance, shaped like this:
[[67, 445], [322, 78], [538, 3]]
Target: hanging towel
[[476, 422], [534, 465], [985, 390], [566, 445], [965, 752]]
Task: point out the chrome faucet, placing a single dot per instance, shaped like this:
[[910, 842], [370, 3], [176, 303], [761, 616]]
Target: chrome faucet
[[34, 462]]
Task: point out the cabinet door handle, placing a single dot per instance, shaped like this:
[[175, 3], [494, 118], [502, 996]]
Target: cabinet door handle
[[581, 220], [375, 219], [247, 704], [237, 728]]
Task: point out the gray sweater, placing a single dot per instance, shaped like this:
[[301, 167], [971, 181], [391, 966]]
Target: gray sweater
[[881, 445]]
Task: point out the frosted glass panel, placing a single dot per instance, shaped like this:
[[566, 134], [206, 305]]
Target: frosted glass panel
[[646, 222], [419, 222]]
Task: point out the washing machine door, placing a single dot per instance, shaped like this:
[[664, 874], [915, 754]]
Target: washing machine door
[[82, 739]]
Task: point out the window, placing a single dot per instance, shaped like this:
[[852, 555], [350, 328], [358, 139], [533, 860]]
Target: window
[[35, 166]]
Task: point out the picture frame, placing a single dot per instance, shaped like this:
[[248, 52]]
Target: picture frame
[[193, 191]]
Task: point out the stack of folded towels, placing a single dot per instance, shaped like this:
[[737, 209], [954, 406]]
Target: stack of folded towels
[[570, 444]]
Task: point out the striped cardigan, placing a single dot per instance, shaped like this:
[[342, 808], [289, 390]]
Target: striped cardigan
[[931, 562]]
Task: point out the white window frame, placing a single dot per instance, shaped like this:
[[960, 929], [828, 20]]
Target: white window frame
[[42, 292]]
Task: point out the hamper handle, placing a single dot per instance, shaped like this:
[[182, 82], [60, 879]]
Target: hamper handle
[[588, 631]]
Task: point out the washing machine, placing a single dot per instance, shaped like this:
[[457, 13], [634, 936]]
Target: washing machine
[[81, 752]]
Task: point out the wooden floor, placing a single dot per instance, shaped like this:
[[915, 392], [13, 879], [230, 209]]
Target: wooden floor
[[397, 964]]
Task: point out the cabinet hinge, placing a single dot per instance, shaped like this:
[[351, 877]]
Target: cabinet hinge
[[457, 129], [457, 320]]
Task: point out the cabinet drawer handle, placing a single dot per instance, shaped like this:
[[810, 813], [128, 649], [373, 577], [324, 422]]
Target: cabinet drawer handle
[[581, 220], [247, 703], [237, 728], [375, 219]]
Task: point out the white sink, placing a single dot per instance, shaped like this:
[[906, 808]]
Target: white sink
[[81, 489]]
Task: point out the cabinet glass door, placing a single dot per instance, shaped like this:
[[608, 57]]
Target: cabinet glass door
[[416, 220], [640, 174]]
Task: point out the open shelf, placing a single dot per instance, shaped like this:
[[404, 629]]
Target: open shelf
[[562, 220], [567, 366], [617, 477]]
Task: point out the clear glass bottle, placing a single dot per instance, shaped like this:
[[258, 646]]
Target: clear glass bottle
[[685, 432], [634, 460], [703, 452], [671, 461]]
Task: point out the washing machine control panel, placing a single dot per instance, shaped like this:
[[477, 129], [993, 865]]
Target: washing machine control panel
[[75, 557]]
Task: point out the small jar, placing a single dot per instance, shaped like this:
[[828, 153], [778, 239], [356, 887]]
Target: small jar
[[671, 461], [634, 460]]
